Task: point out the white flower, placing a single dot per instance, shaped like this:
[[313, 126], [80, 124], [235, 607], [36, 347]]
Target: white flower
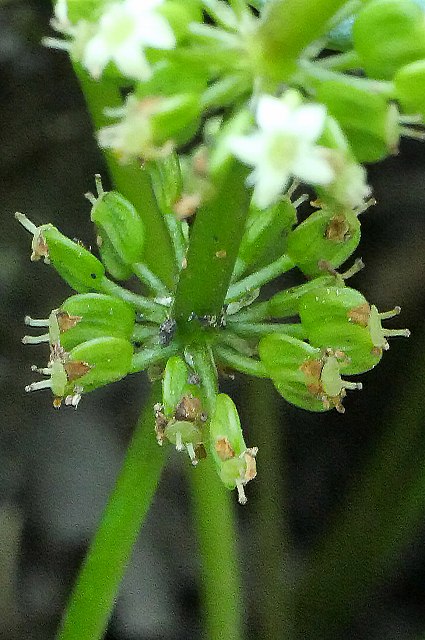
[[132, 136], [124, 29], [283, 146]]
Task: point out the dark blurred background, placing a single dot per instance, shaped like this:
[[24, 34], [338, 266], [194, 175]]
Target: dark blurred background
[[57, 467]]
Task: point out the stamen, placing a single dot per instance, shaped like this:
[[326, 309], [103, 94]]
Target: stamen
[[384, 315], [357, 266], [179, 443], [31, 322], [192, 455], [90, 197], [353, 386], [56, 43], [397, 332], [25, 222], [46, 371], [303, 198], [242, 499], [415, 118], [369, 203], [408, 132], [36, 386], [35, 339], [99, 186]]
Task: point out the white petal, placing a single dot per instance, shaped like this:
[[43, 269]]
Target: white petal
[[131, 61], [311, 166], [272, 114], [96, 56], [268, 186], [249, 149], [153, 30], [308, 121]]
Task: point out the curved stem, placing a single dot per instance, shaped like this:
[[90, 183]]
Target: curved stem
[[147, 357], [94, 594], [147, 277], [213, 507], [260, 277], [241, 363], [150, 309]]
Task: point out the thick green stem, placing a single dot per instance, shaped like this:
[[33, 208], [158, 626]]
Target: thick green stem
[[131, 180], [214, 243], [213, 507], [94, 595], [272, 544], [295, 330], [285, 30]]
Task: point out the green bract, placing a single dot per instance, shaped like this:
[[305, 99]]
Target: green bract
[[368, 120], [410, 87], [342, 319], [120, 231], [304, 375], [389, 34], [329, 235], [235, 463]]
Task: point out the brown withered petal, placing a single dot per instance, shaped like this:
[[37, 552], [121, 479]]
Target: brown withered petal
[[66, 321], [312, 368], [338, 229], [251, 465], [360, 315], [224, 449], [76, 369], [189, 408]]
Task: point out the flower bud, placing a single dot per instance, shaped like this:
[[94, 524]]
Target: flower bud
[[343, 320], [151, 127], [87, 366], [235, 463], [120, 231], [368, 120], [304, 375], [329, 235], [410, 87], [75, 264], [389, 34]]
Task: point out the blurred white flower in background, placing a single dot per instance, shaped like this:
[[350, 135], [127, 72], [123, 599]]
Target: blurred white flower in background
[[123, 31], [284, 146]]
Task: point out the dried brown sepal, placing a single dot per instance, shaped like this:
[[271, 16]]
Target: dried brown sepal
[[360, 315], [338, 229], [224, 449], [190, 408], [76, 369], [161, 423], [66, 321]]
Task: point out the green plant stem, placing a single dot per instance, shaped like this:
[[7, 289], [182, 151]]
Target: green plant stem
[[340, 61], [147, 277], [143, 332], [131, 180], [151, 310], [253, 313], [94, 594], [381, 515], [241, 363], [147, 357], [286, 28], [257, 279], [213, 508], [215, 240], [295, 330], [261, 408]]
